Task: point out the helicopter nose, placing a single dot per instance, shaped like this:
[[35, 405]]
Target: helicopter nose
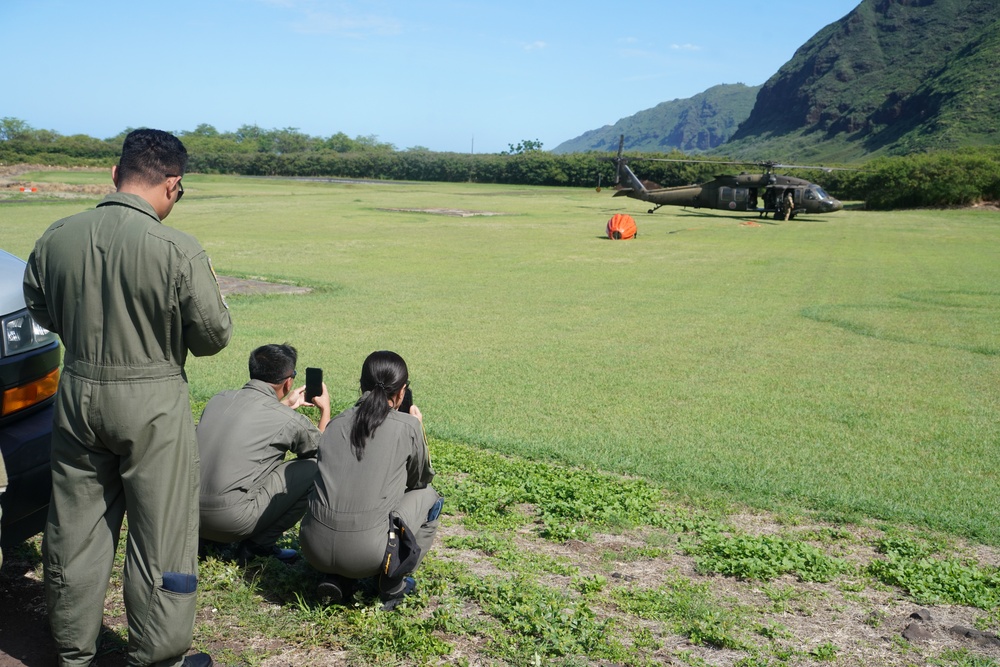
[[831, 205]]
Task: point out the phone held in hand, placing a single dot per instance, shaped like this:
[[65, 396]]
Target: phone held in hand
[[407, 401], [314, 383]]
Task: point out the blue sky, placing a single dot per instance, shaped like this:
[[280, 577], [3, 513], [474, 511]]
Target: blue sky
[[449, 75]]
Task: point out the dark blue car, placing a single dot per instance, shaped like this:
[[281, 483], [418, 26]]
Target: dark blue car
[[29, 376]]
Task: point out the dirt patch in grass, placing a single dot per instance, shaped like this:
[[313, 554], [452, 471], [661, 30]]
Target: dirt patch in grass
[[11, 184], [452, 212], [229, 285]]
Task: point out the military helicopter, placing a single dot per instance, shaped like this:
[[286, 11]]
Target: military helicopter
[[783, 196]]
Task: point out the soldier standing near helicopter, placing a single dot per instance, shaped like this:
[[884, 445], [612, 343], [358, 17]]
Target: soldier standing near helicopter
[[788, 203]]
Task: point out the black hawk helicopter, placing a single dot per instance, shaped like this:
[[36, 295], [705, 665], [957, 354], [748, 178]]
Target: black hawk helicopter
[[783, 196]]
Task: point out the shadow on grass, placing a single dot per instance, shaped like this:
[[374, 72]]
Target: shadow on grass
[[25, 638]]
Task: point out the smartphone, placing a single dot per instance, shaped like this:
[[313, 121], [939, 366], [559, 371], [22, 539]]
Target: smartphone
[[407, 401], [314, 383]]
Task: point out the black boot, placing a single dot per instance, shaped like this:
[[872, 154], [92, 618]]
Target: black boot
[[338, 589], [394, 595], [198, 660], [248, 551]]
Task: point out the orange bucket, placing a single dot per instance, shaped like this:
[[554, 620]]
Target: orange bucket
[[621, 226]]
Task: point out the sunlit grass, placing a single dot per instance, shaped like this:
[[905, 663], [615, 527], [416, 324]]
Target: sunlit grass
[[847, 363]]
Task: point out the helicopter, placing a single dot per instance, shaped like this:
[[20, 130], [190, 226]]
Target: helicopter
[[782, 196]]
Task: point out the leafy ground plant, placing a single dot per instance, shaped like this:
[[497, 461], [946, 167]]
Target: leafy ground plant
[[505, 591]]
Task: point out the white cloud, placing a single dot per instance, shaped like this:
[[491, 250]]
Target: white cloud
[[534, 46], [685, 47]]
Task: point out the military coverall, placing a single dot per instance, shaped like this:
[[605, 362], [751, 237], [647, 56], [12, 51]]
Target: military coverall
[[129, 298], [345, 530], [248, 491]]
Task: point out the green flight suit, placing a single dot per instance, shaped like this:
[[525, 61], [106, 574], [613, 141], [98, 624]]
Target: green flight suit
[[129, 297], [248, 490], [345, 530]]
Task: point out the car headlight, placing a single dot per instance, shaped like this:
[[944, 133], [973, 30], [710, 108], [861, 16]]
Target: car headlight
[[21, 334]]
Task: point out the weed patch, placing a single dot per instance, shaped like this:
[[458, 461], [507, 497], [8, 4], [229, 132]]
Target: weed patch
[[765, 558]]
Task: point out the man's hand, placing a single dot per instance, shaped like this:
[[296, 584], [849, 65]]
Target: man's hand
[[296, 398]]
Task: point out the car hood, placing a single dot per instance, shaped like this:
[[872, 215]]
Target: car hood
[[11, 280]]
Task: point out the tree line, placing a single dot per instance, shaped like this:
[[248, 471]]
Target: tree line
[[945, 178]]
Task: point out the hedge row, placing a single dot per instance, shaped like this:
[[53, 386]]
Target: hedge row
[[924, 180]]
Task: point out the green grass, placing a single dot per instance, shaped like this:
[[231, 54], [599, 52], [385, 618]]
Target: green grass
[[848, 363], [501, 587]]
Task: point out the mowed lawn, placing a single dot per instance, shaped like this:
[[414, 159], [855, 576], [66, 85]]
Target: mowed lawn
[[848, 363]]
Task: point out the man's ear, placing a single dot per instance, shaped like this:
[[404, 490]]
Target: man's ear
[[114, 175]]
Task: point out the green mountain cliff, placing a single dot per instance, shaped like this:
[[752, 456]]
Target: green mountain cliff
[[691, 125], [891, 77]]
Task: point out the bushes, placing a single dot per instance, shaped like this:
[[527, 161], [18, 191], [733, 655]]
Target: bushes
[[936, 179]]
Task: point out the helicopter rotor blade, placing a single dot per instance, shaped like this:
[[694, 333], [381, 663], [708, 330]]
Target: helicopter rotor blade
[[812, 166], [766, 164]]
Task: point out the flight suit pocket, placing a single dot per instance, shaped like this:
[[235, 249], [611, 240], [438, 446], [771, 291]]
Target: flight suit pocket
[[170, 622]]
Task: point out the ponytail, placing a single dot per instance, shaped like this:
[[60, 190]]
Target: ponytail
[[383, 374]]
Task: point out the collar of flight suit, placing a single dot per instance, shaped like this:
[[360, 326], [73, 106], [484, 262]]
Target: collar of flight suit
[[131, 201], [262, 387]]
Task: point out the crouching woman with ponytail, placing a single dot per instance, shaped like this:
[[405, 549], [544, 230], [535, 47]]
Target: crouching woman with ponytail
[[373, 512]]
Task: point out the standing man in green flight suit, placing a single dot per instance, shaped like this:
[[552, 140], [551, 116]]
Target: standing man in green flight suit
[[129, 297]]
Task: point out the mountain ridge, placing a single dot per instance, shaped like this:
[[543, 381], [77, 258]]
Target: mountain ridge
[[890, 78], [695, 124]]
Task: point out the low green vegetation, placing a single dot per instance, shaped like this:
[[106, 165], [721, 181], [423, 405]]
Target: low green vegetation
[[510, 593], [955, 177], [765, 557]]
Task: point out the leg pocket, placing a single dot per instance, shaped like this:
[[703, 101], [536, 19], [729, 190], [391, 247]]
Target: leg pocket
[[168, 627]]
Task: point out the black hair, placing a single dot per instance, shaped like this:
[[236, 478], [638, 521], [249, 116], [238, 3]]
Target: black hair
[[149, 156], [273, 363], [382, 375]]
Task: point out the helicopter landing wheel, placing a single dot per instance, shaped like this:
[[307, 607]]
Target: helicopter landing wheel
[[650, 210]]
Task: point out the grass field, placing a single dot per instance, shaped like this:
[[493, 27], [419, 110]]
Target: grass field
[[847, 363], [839, 371]]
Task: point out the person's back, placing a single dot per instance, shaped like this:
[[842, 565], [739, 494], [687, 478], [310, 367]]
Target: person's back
[[375, 484], [243, 434], [116, 269]]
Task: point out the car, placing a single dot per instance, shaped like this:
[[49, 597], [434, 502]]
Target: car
[[29, 377]]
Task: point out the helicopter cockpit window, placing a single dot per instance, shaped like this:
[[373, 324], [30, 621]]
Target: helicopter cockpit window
[[726, 194], [820, 192], [811, 195]]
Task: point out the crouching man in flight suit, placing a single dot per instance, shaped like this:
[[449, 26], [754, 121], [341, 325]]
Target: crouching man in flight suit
[[129, 297], [249, 493]]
